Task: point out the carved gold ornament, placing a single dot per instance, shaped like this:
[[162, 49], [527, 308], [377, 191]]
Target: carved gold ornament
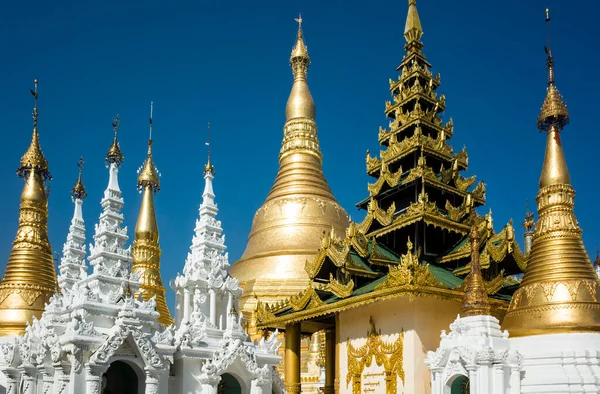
[[388, 355]]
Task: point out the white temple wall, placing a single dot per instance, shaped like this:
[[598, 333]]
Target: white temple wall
[[422, 319], [559, 363], [186, 370]]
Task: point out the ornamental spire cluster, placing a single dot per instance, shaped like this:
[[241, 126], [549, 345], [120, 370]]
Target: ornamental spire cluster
[[560, 290], [146, 249], [29, 279]]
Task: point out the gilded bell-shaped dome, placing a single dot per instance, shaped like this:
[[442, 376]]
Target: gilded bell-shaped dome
[[287, 229]]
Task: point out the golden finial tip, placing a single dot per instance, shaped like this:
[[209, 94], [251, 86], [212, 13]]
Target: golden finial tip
[[78, 191], [114, 154]]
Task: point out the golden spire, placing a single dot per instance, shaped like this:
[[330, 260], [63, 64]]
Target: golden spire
[[146, 249], [287, 229], [475, 300], [208, 167], [29, 280], [412, 29], [114, 154], [300, 103], [559, 291], [78, 191]]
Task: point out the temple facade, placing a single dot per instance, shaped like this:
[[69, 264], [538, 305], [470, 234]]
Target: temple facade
[[422, 296], [108, 329]]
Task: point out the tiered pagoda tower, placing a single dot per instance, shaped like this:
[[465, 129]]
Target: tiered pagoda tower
[[29, 279], [146, 249], [420, 202]]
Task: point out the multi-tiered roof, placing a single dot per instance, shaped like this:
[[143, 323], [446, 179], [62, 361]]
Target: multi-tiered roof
[[419, 211]]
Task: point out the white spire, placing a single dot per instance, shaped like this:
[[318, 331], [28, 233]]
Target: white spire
[[207, 255], [72, 264], [113, 179], [108, 253]]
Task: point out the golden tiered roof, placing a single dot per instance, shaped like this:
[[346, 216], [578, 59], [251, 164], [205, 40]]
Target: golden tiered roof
[[146, 249], [419, 194], [560, 291], [287, 229], [29, 280]]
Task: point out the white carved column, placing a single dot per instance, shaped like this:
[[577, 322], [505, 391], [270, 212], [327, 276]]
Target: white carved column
[[473, 384], [210, 384], [28, 380], [61, 378], [47, 380], [229, 312], [13, 377], [484, 377], [186, 304], [498, 379], [213, 307], [152, 381], [93, 378], [515, 379], [436, 377], [229, 302]]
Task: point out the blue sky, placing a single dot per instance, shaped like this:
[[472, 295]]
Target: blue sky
[[227, 62]]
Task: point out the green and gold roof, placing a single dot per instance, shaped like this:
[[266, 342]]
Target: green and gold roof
[[421, 194]]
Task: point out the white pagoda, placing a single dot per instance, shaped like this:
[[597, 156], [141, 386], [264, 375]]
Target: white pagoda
[[98, 335]]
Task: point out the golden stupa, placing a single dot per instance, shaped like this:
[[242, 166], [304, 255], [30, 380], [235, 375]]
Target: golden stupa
[[560, 291], [29, 280], [146, 249], [475, 299], [287, 229]]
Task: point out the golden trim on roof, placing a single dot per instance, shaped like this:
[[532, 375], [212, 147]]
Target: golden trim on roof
[[339, 289], [308, 298], [458, 213], [410, 272], [266, 314], [399, 149], [385, 176], [424, 210]]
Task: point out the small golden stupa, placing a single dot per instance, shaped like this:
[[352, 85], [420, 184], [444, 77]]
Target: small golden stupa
[[560, 291], [29, 280], [146, 249], [475, 300], [287, 229]]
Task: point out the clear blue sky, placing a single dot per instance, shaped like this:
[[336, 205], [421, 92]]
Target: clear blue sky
[[227, 62]]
